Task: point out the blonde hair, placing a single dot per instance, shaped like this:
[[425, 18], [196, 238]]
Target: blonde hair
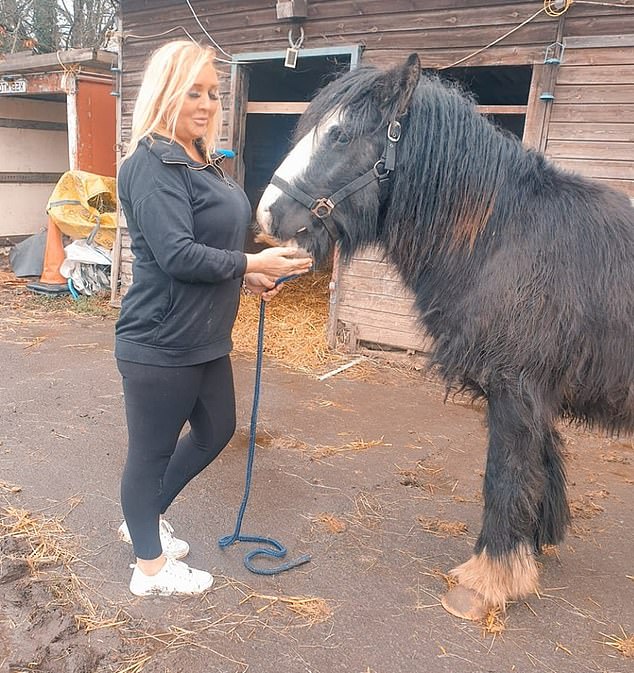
[[169, 75]]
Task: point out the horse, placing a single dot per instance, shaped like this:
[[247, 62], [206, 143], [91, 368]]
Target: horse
[[522, 274]]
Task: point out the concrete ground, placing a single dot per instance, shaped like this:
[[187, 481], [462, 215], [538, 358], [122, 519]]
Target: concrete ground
[[374, 476]]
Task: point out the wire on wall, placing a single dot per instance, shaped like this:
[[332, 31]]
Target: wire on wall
[[553, 8], [619, 5], [191, 9], [491, 44]]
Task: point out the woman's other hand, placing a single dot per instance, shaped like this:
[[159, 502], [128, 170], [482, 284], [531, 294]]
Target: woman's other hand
[[260, 285], [278, 262]]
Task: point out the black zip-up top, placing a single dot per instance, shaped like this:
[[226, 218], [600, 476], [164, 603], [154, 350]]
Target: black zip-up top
[[187, 223]]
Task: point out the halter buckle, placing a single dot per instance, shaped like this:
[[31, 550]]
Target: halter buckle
[[394, 131], [380, 172], [322, 208]]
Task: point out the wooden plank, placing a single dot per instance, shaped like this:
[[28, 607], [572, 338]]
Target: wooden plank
[[565, 112], [599, 56], [144, 9], [292, 108], [618, 39], [398, 33], [536, 110], [626, 186], [364, 265], [366, 316], [387, 305], [378, 286], [598, 24], [609, 93], [87, 58], [370, 269], [592, 132], [433, 57], [590, 150], [414, 341], [502, 109], [596, 74], [33, 124], [32, 177], [236, 129], [615, 170]]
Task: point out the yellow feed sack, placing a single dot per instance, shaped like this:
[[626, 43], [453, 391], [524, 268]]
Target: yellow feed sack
[[80, 202]]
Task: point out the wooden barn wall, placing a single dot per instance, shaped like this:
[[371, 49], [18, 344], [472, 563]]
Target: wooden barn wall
[[591, 127], [371, 306]]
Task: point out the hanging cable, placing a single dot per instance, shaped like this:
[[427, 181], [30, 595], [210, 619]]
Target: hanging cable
[[189, 4], [165, 32], [604, 4], [491, 44], [189, 35]]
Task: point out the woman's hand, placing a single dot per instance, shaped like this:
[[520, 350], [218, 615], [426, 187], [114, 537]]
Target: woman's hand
[[261, 285], [278, 262]]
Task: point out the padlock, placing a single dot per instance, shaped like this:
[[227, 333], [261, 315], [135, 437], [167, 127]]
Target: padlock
[[290, 60]]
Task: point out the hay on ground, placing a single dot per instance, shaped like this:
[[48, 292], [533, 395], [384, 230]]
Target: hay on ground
[[330, 522], [295, 328], [353, 446], [309, 609], [441, 528], [494, 622], [621, 643], [49, 543]]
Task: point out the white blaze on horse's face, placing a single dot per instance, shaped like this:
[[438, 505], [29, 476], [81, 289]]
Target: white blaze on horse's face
[[293, 167]]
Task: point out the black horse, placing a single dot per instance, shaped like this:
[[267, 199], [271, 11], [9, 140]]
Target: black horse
[[522, 273]]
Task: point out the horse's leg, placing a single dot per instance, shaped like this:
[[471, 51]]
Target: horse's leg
[[503, 566], [554, 514]]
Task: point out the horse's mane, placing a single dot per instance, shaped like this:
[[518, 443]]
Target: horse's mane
[[456, 160]]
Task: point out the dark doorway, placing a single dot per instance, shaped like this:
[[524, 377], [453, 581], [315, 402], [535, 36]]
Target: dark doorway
[[497, 86]]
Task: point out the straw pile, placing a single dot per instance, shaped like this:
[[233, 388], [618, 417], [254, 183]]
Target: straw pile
[[295, 328], [48, 543]]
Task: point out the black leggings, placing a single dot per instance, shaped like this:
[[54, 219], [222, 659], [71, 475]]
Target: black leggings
[[158, 402]]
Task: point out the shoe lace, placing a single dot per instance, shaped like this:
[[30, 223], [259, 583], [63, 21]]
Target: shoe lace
[[178, 569], [167, 528]]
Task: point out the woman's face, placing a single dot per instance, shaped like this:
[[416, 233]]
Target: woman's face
[[199, 107]]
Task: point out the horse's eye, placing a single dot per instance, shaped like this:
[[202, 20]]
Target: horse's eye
[[338, 136]]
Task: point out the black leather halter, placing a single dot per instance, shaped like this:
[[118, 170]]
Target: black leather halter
[[322, 207]]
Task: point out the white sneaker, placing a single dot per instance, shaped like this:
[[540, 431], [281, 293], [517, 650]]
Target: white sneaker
[[174, 578], [172, 546]]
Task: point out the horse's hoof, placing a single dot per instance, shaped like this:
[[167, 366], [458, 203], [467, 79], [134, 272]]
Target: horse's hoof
[[464, 603]]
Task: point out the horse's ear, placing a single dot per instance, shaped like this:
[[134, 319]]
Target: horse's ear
[[410, 74], [398, 86]]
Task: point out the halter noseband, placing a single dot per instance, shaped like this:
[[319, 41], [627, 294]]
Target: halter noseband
[[322, 207]]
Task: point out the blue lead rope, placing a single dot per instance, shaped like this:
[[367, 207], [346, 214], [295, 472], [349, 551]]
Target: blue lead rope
[[278, 550]]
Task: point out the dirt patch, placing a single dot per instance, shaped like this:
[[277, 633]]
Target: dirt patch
[[38, 616]]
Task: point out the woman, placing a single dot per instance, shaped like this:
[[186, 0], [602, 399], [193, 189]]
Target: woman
[[187, 223]]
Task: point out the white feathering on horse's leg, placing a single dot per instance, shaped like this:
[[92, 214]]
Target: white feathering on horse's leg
[[485, 582]]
